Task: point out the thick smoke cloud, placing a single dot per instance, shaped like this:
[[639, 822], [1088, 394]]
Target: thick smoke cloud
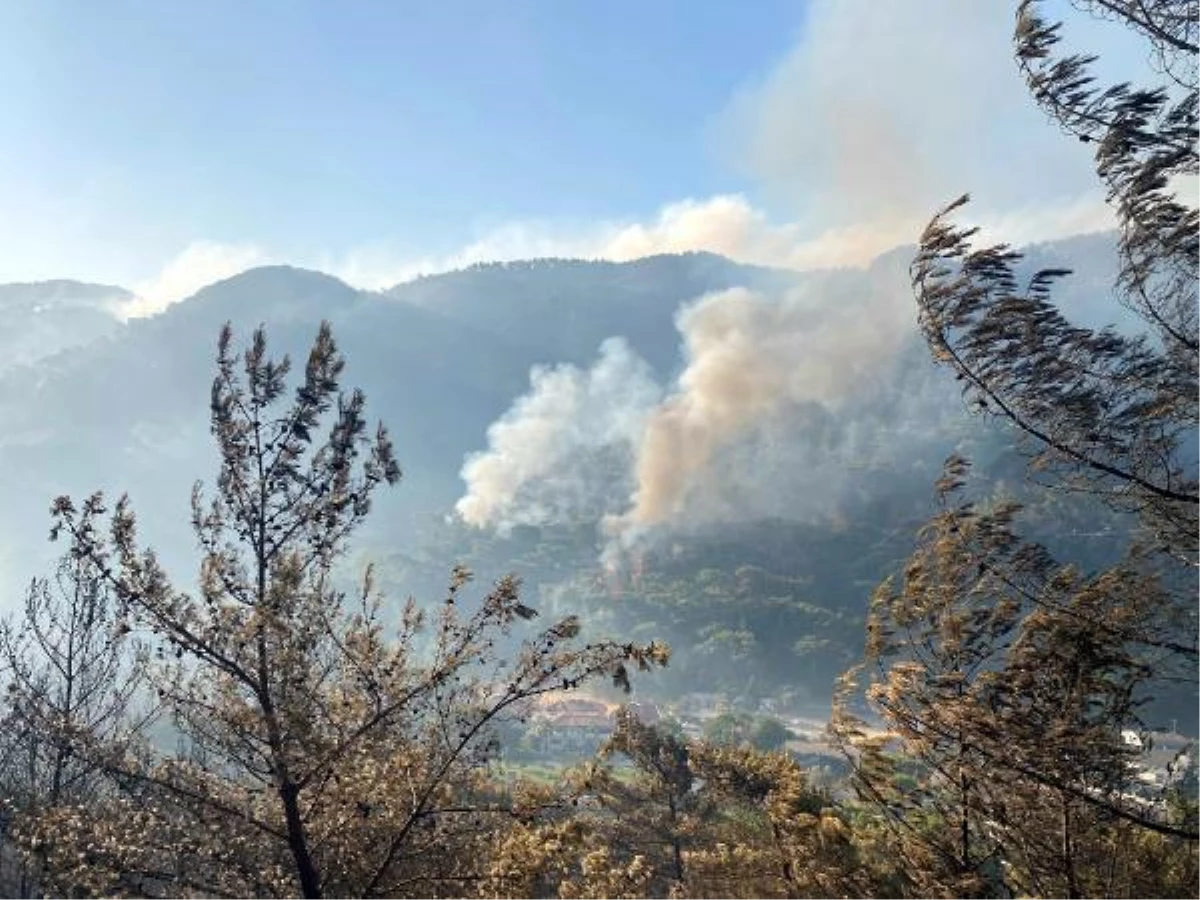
[[780, 394], [562, 452], [883, 112], [751, 357], [777, 390]]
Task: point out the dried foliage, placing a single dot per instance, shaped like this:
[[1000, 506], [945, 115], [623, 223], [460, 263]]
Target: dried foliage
[[70, 670], [694, 819], [1001, 680], [1002, 683], [1103, 411], [326, 749], [277, 733]]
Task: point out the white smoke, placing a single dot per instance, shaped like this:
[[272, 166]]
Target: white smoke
[[765, 381], [200, 264], [753, 358], [563, 451], [883, 112], [856, 163]]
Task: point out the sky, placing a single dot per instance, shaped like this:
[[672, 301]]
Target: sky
[[162, 146]]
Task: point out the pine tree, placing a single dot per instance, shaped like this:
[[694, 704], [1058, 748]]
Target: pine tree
[[653, 809], [1002, 683], [70, 671], [1003, 678], [1102, 411], [329, 748]]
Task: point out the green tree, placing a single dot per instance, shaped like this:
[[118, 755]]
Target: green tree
[[728, 728]]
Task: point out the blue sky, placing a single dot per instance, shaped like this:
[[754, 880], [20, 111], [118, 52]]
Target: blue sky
[[373, 138], [325, 122]]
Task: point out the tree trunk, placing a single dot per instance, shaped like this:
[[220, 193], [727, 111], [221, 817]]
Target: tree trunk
[[310, 881], [676, 843], [785, 867], [1068, 853]]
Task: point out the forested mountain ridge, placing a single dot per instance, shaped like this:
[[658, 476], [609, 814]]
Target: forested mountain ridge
[[444, 356], [665, 578], [561, 310]]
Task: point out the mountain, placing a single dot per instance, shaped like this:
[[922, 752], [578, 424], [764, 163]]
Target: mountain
[[89, 402], [561, 310], [125, 407], [44, 318]]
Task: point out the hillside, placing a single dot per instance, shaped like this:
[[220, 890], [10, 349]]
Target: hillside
[[561, 310], [820, 499], [41, 319]]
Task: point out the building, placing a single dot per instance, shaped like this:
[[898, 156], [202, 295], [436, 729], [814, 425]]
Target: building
[[570, 725]]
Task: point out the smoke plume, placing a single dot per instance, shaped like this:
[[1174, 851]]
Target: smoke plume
[[563, 451], [777, 391], [751, 358]]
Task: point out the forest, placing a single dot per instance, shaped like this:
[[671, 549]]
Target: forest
[[286, 724]]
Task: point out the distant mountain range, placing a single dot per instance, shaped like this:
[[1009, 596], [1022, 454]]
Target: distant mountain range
[[40, 319], [91, 402]]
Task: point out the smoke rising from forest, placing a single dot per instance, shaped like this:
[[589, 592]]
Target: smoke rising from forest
[[550, 457], [777, 390], [763, 374], [751, 357]]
